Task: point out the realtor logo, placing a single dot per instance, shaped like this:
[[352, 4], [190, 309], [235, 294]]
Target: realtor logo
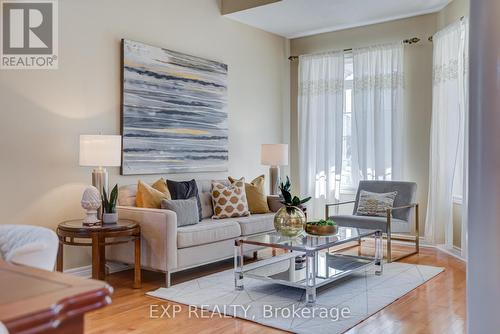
[[29, 34]]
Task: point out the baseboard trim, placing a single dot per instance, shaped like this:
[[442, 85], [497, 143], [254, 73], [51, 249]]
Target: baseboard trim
[[86, 271], [454, 251], [422, 243]]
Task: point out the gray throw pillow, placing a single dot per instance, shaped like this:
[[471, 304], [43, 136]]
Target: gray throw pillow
[[375, 204], [185, 190], [186, 210]]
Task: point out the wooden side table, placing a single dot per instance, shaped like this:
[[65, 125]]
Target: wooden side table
[[124, 231]]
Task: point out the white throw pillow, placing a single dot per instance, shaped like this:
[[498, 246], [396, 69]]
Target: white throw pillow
[[229, 201], [375, 204]]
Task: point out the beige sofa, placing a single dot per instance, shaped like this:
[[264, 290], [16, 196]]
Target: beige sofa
[[169, 249]]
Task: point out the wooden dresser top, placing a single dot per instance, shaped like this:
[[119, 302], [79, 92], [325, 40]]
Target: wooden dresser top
[[34, 298]]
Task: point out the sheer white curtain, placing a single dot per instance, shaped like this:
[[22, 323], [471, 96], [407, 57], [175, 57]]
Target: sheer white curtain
[[378, 112], [320, 107], [448, 151]]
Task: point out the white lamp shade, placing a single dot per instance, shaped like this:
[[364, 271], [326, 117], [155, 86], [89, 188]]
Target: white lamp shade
[[274, 154], [100, 150]]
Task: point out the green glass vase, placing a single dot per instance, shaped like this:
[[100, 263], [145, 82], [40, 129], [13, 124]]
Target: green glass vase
[[290, 221]]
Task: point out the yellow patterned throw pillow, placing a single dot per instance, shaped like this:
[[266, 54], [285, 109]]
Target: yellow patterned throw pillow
[[151, 196], [256, 195], [229, 201]]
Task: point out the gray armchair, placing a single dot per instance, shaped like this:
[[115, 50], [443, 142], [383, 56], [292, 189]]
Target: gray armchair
[[397, 219]]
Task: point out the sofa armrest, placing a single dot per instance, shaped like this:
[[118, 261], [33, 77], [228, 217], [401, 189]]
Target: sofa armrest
[[274, 203], [159, 235]]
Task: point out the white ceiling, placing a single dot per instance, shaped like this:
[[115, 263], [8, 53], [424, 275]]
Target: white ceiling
[[298, 18]]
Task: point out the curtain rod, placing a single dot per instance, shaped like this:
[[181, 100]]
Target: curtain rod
[[412, 40], [431, 38]]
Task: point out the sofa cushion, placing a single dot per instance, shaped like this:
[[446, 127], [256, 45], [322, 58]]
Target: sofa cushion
[[229, 201], [186, 210], [151, 196], [127, 195], [205, 186], [371, 222], [207, 231], [185, 190], [256, 195], [274, 203], [207, 210], [161, 185], [258, 223]]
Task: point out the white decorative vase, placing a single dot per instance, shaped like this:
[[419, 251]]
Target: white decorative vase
[[109, 218], [91, 201]]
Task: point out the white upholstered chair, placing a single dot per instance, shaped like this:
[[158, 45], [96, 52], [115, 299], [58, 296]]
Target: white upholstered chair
[[32, 246]]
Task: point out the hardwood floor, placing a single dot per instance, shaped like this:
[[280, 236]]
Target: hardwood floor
[[435, 307]]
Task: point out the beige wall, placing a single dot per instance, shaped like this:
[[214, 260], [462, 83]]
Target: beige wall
[[44, 112], [452, 12], [418, 69], [231, 6]]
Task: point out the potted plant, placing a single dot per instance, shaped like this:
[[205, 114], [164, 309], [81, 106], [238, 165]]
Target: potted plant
[[290, 219], [109, 214]]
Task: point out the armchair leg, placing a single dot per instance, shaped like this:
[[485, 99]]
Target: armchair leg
[[389, 246], [417, 240], [167, 279], [417, 232], [359, 244]]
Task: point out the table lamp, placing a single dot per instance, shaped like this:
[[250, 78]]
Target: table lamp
[[100, 151], [274, 155]]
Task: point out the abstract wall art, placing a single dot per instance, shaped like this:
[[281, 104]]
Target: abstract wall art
[[174, 112]]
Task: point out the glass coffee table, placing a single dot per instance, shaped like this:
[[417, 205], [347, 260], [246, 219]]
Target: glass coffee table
[[321, 267]]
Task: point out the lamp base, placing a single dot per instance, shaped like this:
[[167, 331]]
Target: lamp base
[[100, 181], [274, 180]]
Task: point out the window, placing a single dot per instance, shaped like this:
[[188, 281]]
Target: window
[[347, 183]]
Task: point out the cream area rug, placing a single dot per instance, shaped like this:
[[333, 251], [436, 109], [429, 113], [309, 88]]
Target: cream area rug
[[339, 305]]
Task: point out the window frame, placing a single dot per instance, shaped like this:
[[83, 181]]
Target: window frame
[[347, 189]]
